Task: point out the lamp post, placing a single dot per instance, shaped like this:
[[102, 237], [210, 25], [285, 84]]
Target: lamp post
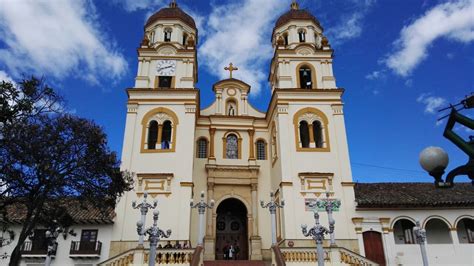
[[51, 236], [434, 159], [272, 206], [201, 206], [317, 232], [143, 206], [420, 235], [154, 233], [330, 205]]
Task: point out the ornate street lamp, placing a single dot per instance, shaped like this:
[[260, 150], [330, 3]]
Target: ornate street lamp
[[51, 236], [435, 160], [144, 206], [272, 207], [317, 232], [330, 205], [154, 233], [420, 235], [201, 206]]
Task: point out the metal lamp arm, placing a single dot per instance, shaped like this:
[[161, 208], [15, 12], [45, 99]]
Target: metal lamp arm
[[164, 234], [449, 133]]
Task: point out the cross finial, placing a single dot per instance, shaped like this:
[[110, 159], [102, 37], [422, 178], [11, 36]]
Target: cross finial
[[294, 5], [231, 68]]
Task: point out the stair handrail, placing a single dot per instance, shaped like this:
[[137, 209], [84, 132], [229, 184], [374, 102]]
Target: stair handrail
[[118, 256], [196, 256], [360, 260], [280, 261]]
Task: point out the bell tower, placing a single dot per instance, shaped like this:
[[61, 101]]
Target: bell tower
[[303, 56], [308, 137], [167, 54], [160, 125]]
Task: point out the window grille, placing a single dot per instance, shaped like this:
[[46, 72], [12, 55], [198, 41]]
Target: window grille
[[261, 152]]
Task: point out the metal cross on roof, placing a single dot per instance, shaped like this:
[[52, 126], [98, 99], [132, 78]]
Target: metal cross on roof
[[231, 68]]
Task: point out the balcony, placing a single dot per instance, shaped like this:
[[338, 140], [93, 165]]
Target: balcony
[[32, 249], [85, 249]]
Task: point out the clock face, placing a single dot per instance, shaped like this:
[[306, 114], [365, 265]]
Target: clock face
[[166, 67]]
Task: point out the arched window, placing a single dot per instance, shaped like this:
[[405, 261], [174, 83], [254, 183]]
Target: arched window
[[465, 230], [152, 134], [318, 134], [261, 150], [232, 147], [304, 134], [437, 232], [305, 77], [311, 130], [285, 38], [166, 135], [302, 35], [185, 38], [202, 148], [403, 232], [167, 33], [159, 127]]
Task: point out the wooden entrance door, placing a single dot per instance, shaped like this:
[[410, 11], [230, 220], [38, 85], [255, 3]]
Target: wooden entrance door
[[373, 246], [231, 229]]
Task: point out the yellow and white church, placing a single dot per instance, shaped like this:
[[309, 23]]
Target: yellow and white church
[[296, 149]]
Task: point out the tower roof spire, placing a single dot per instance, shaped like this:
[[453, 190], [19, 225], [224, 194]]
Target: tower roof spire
[[295, 5], [173, 3]]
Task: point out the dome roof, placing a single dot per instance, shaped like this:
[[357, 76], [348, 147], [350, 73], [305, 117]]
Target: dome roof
[[296, 14], [171, 12]]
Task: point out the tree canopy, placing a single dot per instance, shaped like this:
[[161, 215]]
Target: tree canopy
[[47, 156]]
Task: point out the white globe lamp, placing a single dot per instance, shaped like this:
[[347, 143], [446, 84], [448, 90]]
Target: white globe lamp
[[434, 159]]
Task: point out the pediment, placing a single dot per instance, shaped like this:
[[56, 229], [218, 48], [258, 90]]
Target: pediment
[[304, 50], [232, 83], [166, 49]]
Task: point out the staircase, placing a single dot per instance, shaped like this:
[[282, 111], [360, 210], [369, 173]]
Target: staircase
[[234, 263]]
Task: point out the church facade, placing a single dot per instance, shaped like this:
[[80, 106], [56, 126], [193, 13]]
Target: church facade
[[237, 155]]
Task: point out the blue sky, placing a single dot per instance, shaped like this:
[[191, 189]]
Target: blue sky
[[399, 62]]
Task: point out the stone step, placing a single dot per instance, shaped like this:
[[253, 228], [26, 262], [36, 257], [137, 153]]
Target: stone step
[[234, 263]]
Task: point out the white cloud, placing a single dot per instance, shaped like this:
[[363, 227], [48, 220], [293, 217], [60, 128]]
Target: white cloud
[[350, 25], [5, 77], [409, 82], [134, 5], [432, 103], [57, 38], [378, 74], [240, 33], [453, 20]]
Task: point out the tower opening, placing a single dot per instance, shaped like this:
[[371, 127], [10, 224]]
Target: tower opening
[[305, 77], [166, 136], [304, 134]]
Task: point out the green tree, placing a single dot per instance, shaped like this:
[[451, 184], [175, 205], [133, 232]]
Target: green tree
[[47, 157]]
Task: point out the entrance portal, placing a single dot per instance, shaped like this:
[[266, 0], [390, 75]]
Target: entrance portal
[[231, 229]]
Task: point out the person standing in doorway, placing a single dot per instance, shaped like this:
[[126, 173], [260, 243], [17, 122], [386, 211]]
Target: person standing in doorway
[[236, 250], [231, 252]]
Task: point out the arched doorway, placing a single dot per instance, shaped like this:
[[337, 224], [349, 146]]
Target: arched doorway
[[231, 228]]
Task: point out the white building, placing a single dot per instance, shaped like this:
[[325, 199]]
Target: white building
[[238, 155]]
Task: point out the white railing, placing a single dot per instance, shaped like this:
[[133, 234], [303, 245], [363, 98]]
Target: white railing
[[140, 256]]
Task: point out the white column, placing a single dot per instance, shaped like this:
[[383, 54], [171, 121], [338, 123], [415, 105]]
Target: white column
[[255, 209]]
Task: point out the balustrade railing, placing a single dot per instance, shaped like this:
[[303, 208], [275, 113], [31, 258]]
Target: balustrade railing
[[35, 248], [85, 248]]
